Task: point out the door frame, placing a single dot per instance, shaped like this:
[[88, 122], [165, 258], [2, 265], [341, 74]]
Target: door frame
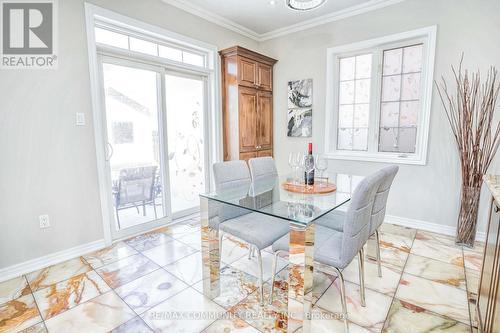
[[213, 126]]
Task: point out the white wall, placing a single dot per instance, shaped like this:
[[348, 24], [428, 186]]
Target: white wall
[[48, 166], [428, 193]]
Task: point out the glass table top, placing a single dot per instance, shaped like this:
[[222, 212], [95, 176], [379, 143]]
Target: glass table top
[[267, 196]]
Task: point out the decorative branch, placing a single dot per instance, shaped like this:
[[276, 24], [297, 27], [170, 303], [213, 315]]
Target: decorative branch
[[470, 110]]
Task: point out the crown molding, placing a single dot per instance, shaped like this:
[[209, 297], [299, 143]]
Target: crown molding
[[238, 28], [214, 18]]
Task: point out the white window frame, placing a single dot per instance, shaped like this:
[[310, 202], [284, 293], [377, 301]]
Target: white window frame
[[97, 16], [426, 36]]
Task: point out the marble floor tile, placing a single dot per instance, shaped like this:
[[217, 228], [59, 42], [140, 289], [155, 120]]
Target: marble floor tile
[[233, 249], [436, 297], [67, 294], [192, 239], [126, 270], [268, 318], [435, 250], [187, 269], [406, 317], [148, 240], [473, 260], [188, 311], [13, 288], [392, 241], [472, 277], [326, 322], [371, 317], [235, 285], [19, 314], [251, 266], [45, 277], [109, 255], [37, 328], [149, 290], [390, 257], [230, 326], [100, 314], [398, 230], [136, 325], [169, 252], [436, 271], [178, 230], [387, 284], [435, 238]]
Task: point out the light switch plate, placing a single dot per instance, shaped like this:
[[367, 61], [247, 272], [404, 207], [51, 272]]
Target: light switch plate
[[80, 119], [44, 221]]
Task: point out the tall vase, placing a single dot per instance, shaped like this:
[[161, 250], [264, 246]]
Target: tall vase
[[467, 220]]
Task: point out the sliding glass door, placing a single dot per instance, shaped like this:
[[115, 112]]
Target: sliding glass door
[[185, 105], [155, 144]]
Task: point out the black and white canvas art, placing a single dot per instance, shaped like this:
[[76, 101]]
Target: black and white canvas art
[[300, 108]]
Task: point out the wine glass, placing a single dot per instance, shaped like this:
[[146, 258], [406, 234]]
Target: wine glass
[[321, 165], [294, 163]]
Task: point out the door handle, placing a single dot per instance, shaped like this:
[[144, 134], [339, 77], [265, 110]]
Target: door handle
[[109, 151]]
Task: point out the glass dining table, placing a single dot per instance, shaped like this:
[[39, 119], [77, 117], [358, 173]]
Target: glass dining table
[[267, 196]]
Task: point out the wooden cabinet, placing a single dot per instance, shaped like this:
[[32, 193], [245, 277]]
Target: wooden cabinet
[[488, 303], [247, 85]]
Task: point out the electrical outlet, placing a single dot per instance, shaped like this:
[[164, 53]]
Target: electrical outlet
[[80, 119], [44, 221]]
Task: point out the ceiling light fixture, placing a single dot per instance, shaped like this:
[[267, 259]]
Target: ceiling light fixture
[[304, 4]]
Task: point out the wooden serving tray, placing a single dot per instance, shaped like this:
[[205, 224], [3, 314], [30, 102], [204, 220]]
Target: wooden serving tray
[[314, 189]]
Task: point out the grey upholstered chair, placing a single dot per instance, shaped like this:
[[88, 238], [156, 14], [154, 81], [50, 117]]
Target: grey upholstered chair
[[262, 167], [335, 219], [337, 249], [258, 230]]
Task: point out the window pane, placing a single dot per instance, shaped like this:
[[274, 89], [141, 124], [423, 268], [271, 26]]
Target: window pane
[[388, 139], [111, 38], [143, 46], [170, 53], [193, 59], [409, 114], [346, 115], [344, 139], [389, 114], [393, 61], [362, 94], [361, 115], [412, 59], [411, 87], [360, 139], [391, 88], [406, 140], [364, 66], [346, 94], [347, 68]]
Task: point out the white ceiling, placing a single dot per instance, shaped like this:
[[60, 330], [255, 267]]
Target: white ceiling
[[261, 20]]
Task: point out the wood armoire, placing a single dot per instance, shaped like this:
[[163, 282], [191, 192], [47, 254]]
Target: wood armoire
[[247, 103]]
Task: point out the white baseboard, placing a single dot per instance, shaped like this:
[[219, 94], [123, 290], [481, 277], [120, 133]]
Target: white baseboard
[[50, 259], [428, 226]]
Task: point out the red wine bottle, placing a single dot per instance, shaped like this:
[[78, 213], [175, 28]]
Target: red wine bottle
[[309, 164]]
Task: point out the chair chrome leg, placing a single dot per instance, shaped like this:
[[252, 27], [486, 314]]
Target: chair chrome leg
[[250, 250], [343, 298], [261, 280], [275, 264], [361, 266], [377, 239]]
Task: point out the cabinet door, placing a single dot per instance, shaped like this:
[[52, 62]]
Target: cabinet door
[[264, 153], [265, 77], [247, 72], [247, 113], [265, 121], [247, 156]]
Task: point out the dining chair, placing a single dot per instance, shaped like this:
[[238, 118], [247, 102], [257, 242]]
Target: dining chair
[[258, 230], [335, 219], [262, 167], [338, 249]]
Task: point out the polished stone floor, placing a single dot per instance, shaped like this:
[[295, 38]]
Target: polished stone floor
[[152, 282]]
